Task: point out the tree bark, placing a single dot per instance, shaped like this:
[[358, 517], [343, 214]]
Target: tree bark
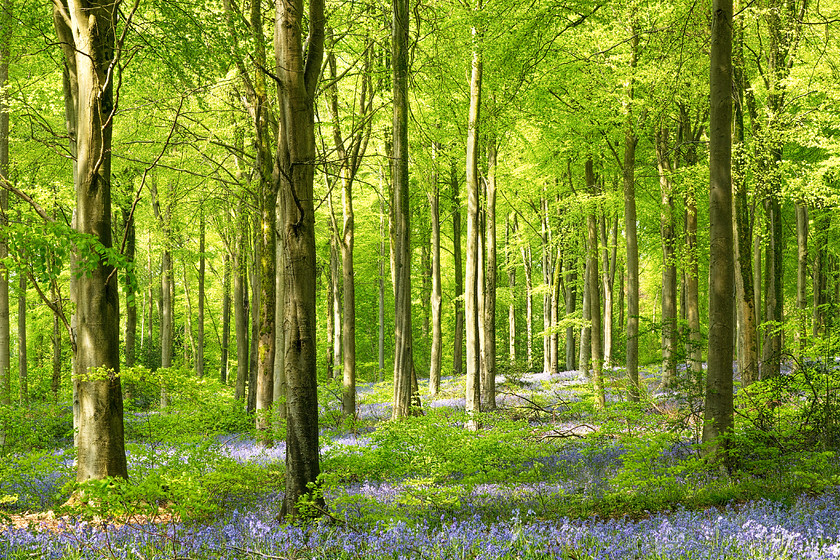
[[130, 289], [253, 350], [773, 296], [669, 259], [594, 291], [240, 304], [381, 285], [471, 291], [87, 35], [199, 350], [488, 388], [436, 297], [801, 278], [5, 327], [529, 307], [719, 400], [280, 385], [510, 233], [571, 303], [458, 335], [223, 369], [23, 372], [298, 70], [632, 244]]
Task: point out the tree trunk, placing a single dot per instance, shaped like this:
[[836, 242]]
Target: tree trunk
[[529, 307], [458, 335], [335, 307], [773, 295], [571, 303], [23, 373], [821, 224], [669, 259], [348, 401], [223, 369], [488, 387], [436, 297], [610, 258], [253, 350], [744, 291], [240, 305], [510, 233], [801, 278], [585, 350], [130, 289], [556, 290], [280, 385], [166, 322], [547, 283], [87, 35], [719, 403], [381, 345], [56, 357], [632, 244], [298, 72], [594, 291], [189, 351], [199, 353], [471, 292], [5, 327]]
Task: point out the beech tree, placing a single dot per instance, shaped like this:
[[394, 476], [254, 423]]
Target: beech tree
[[297, 71], [87, 33]]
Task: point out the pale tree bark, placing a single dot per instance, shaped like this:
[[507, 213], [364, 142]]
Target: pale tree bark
[[167, 281], [253, 350], [23, 370], [510, 233], [525, 251], [667, 229], [821, 223], [610, 259], [488, 386], [5, 330], [189, 350], [223, 369], [332, 305], [130, 289], [298, 70], [556, 291], [436, 298], [571, 302], [593, 289], [773, 296], [585, 350], [88, 38], [458, 335], [547, 269], [199, 343], [471, 288], [632, 244], [719, 414]]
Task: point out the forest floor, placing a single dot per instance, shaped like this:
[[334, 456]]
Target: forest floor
[[546, 476]]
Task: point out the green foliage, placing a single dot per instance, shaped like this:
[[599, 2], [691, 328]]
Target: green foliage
[[37, 427]]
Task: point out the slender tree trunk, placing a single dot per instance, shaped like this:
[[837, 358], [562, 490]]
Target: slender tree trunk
[[547, 283], [348, 401], [821, 223], [801, 278], [298, 72], [632, 245], [280, 385], [610, 258], [488, 388], [436, 295], [382, 238], [594, 291], [166, 322], [223, 369], [199, 354], [529, 307], [458, 335], [130, 289], [56, 357], [571, 303], [23, 372], [335, 283], [189, 351], [719, 404], [556, 290], [87, 35], [773, 295], [253, 350], [5, 328], [669, 257], [744, 291], [585, 350], [510, 233], [471, 292], [240, 306]]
